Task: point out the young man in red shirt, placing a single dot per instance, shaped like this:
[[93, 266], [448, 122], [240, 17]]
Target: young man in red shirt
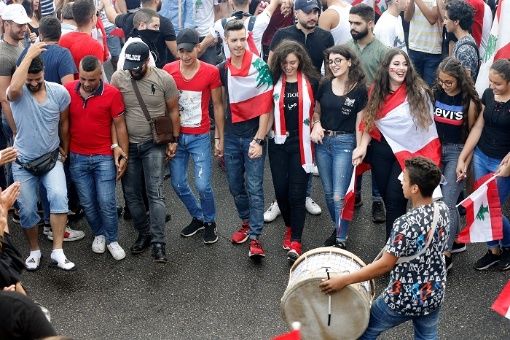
[[197, 83]]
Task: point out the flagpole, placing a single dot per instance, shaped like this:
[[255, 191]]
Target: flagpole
[[484, 183]]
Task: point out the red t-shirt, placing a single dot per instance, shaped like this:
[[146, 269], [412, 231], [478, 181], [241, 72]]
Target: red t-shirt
[[476, 28], [80, 45], [194, 96], [90, 119]]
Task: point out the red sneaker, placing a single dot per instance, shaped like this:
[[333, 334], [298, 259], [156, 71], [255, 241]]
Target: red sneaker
[[295, 251], [256, 249], [286, 238], [241, 235]]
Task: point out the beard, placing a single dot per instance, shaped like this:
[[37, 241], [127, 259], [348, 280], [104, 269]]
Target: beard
[[138, 74], [34, 89], [307, 26], [359, 35]]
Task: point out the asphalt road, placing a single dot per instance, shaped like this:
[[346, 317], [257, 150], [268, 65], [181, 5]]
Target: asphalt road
[[217, 292]]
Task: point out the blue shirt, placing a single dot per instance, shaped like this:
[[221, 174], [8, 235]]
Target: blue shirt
[[38, 123], [58, 63], [170, 9]]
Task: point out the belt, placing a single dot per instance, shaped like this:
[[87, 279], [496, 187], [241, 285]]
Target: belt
[[336, 133]]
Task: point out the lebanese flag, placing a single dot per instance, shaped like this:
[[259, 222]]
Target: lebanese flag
[[293, 335], [396, 124], [486, 29], [379, 6], [250, 88], [347, 212], [498, 44], [502, 303], [484, 221]]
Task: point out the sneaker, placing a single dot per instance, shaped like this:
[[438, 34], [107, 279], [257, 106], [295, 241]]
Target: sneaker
[[99, 244], [458, 248], [331, 240], [312, 207], [192, 228], [295, 251], [448, 262], [69, 235], [340, 244], [46, 229], [159, 253], [75, 215], [357, 200], [241, 235], [210, 235], [256, 249], [487, 261], [116, 250], [32, 263], [64, 264], [15, 216], [272, 212], [378, 212], [286, 238], [504, 260], [315, 170]]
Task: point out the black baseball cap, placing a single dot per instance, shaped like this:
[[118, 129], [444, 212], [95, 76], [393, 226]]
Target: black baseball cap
[[187, 39], [306, 5], [136, 54]]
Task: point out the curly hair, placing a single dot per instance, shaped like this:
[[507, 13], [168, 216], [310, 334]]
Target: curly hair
[[419, 94], [453, 68], [281, 52], [356, 74], [424, 173]]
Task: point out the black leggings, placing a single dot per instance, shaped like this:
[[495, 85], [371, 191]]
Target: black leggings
[[386, 170], [290, 181]]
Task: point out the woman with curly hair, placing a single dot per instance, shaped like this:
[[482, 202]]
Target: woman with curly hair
[[290, 149], [456, 108], [398, 120], [339, 103]]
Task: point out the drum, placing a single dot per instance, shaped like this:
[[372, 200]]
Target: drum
[[343, 315]]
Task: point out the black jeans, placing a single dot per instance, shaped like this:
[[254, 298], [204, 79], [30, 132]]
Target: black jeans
[[385, 170], [290, 181]]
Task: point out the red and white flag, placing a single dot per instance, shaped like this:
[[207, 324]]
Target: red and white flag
[[484, 221], [486, 29], [398, 127], [250, 88], [502, 303], [497, 46], [293, 335], [379, 6], [347, 212]]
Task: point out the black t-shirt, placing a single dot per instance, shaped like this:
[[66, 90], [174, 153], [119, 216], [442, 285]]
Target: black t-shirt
[[247, 128], [495, 138], [11, 264], [315, 42], [338, 113], [291, 104], [22, 318], [167, 33], [450, 117]]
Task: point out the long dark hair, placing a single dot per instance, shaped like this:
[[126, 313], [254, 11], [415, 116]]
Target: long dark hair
[[419, 94], [452, 67], [281, 52], [356, 74]]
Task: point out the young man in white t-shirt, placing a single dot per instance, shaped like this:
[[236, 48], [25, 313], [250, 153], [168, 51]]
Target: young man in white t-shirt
[[389, 29]]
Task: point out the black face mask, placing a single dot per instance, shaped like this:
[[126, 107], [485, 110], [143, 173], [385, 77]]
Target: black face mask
[[239, 15], [150, 37]]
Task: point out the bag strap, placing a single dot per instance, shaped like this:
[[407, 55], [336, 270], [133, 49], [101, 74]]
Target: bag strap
[[251, 23], [140, 100]]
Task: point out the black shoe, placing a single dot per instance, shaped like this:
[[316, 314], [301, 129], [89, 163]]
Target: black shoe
[[339, 244], [127, 214], [75, 215], [210, 235], [158, 253], [378, 213], [504, 260], [448, 262], [487, 261], [192, 228], [357, 200], [331, 240], [142, 242], [458, 248], [168, 217]]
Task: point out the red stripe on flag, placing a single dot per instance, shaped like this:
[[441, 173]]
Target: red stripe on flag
[[464, 236], [245, 66], [392, 101], [495, 209], [502, 302], [503, 52], [252, 108], [347, 212], [432, 151], [294, 335]]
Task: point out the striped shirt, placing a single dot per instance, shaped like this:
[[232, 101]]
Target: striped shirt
[[47, 7], [423, 36]]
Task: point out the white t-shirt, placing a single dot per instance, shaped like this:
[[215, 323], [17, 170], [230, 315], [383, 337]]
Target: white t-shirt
[[424, 37], [204, 16], [390, 32]]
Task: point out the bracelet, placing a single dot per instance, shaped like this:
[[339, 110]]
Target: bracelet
[[316, 121], [115, 145], [217, 138]]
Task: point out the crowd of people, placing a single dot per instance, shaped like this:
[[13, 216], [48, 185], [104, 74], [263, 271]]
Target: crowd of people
[[326, 85]]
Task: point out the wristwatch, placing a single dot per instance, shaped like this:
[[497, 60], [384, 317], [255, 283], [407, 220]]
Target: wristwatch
[[114, 146], [175, 139], [259, 141]]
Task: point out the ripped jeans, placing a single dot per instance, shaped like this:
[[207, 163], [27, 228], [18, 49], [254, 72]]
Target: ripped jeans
[[334, 160], [198, 148]]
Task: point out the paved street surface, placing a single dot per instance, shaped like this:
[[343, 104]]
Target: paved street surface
[[216, 292]]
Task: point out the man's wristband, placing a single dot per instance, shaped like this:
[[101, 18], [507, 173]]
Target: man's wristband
[[259, 141], [115, 145], [174, 140]]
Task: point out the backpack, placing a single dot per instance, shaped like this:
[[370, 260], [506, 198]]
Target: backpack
[[473, 44]]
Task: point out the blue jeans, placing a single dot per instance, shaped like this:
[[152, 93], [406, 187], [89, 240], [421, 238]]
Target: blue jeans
[[426, 64], [245, 181], [482, 165], [199, 148], [383, 318], [94, 177], [334, 160], [151, 158], [451, 189]]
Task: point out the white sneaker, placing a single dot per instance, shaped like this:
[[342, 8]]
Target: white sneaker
[[69, 235], [272, 212], [32, 263], [315, 170], [99, 244], [116, 250], [47, 230], [63, 264], [312, 207]]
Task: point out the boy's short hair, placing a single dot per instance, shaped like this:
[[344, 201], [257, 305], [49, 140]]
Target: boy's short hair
[[424, 173], [234, 25]]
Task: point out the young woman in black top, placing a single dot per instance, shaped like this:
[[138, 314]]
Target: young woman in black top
[[340, 100], [456, 108], [490, 140], [290, 149]]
